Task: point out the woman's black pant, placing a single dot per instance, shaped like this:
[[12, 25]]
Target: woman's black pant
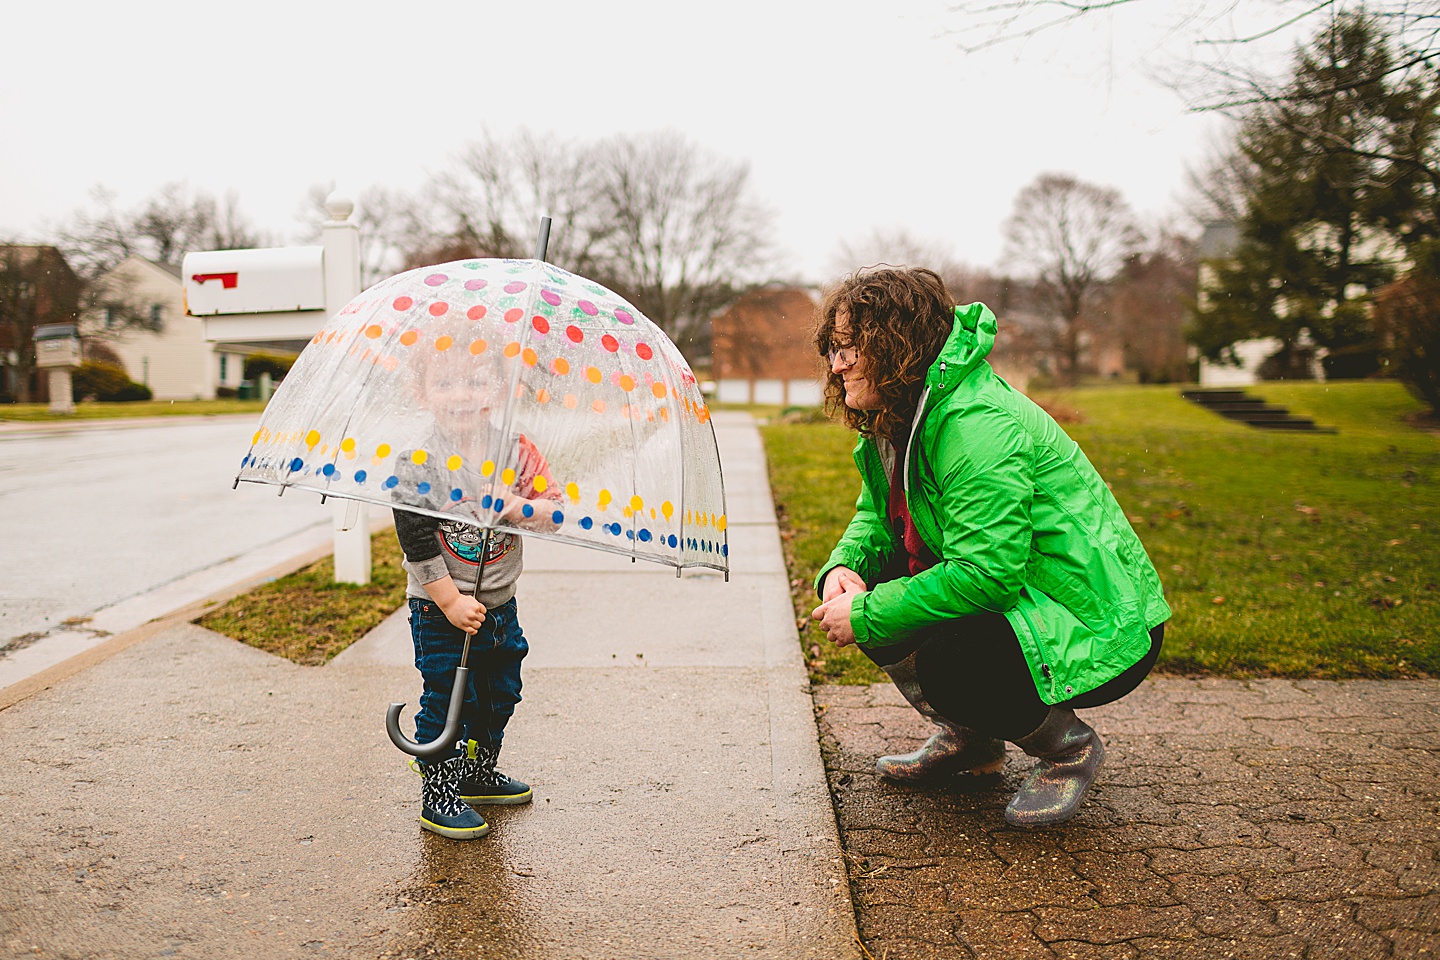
[[973, 672]]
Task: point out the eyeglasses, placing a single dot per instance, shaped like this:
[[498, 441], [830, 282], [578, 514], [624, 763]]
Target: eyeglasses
[[846, 356]]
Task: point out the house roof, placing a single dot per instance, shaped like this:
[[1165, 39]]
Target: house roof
[[766, 335]]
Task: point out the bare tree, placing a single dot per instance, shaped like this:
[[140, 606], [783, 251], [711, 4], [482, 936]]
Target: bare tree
[[1071, 237], [687, 234], [174, 219], [389, 222], [1148, 303], [1218, 188]]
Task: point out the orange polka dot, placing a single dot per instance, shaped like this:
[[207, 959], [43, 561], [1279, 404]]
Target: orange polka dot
[[560, 366], [627, 382], [592, 374], [479, 347], [512, 350], [409, 337], [659, 390], [598, 406], [570, 401], [529, 356], [665, 414], [443, 343], [542, 396]]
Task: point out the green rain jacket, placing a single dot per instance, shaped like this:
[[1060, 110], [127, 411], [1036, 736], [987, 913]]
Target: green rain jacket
[[1021, 522]]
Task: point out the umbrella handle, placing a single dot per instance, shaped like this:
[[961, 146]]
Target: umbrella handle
[[441, 744]]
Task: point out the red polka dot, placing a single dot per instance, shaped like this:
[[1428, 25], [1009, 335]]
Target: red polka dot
[[476, 312], [643, 351], [540, 324], [513, 315], [439, 308], [574, 333], [403, 303], [610, 343]]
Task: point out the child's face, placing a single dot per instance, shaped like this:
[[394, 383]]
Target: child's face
[[463, 393]]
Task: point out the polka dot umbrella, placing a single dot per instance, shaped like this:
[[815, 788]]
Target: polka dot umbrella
[[505, 396]]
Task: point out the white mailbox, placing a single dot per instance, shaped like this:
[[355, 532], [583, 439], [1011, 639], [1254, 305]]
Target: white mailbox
[[56, 346], [247, 295]]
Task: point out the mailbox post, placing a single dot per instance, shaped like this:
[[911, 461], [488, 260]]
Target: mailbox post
[[287, 293], [57, 350]]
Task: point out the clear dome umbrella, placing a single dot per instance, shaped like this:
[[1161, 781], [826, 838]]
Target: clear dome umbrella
[[415, 393]]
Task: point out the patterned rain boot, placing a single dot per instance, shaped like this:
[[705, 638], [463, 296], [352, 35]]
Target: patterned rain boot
[[1068, 755], [951, 750], [442, 811], [481, 783]]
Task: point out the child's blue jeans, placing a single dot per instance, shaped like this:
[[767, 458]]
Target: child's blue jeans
[[494, 684]]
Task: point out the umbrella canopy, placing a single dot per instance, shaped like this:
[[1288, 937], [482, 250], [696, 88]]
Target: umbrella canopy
[[448, 389]]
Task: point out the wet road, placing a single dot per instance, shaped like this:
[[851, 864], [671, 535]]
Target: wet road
[[91, 515]]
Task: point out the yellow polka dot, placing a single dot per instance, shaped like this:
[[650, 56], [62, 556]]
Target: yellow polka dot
[[256, 439], [604, 499], [453, 462], [720, 523], [487, 468], [382, 451], [667, 508], [572, 491], [628, 513], [652, 513], [540, 484], [312, 438], [636, 503], [419, 456], [348, 445], [507, 476]]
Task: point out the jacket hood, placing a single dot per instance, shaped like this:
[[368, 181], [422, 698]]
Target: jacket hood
[[970, 342]]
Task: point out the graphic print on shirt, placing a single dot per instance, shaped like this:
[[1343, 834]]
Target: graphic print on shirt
[[462, 541]]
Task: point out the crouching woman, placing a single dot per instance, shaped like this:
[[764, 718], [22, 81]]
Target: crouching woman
[[988, 569]]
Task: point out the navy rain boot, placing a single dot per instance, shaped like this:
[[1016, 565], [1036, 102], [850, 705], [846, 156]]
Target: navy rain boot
[[482, 784], [442, 811]]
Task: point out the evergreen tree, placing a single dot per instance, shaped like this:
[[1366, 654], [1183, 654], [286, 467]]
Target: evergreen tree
[[1343, 183]]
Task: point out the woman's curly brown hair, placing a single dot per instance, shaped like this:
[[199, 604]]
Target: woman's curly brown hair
[[899, 321]]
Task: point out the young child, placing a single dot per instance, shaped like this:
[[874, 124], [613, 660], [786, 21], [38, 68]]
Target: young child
[[466, 396]]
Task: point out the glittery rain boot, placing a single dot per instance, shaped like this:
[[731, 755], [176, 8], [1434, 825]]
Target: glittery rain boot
[[951, 750], [1068, 755]]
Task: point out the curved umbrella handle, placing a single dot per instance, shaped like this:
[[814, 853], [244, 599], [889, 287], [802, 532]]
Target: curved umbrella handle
[[441, 744]]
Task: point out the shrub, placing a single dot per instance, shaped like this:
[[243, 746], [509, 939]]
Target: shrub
[[274, 364], [1407, 317], [97, 380]]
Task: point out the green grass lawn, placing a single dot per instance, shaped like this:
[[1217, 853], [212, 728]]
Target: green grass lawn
[[1282, 554], [137, 408]]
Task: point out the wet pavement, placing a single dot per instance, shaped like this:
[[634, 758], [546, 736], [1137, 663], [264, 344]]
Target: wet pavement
[[192, 797], [1257, 819]]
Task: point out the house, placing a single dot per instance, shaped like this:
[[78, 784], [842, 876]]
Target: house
[[761, 349], [37, 287], [140, 319]]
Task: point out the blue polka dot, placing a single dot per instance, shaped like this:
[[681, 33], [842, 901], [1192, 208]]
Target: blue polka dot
[[422, 487], [527, 511], [644, 536], [455, 495], [245, 460], [673, 541], [725, 550], [629, 534], [359, 476], [586, 523], [296, 464], [499, 504], [615, 529], [485, 502], [391, 482], [557, 518], [328, 469]]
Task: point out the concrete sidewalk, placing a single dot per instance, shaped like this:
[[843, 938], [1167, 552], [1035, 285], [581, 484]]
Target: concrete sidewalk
[[194, 797]]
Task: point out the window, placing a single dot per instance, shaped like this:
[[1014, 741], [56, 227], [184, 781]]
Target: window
[[224, 357], [110, 318], [157, 315]]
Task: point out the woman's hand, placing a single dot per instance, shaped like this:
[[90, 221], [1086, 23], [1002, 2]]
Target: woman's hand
[[834, 616], [838, 581]]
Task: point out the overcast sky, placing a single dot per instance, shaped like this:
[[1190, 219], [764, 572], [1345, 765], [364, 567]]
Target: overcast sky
[[852, 115]]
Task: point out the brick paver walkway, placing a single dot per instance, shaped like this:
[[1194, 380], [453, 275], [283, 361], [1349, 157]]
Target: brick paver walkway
[[1262, 819]]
